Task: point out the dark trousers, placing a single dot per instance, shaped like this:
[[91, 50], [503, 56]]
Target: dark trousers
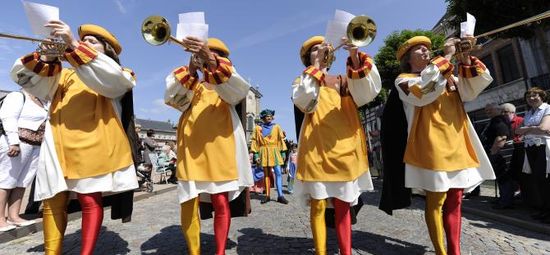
[[540, 183], [506, 191]]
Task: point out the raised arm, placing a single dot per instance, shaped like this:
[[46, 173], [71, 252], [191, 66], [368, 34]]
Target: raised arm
[[179, 88], [364, 82], [305, 89], [230, 86], [39, 78], [426, 88], [472, 79], [99, 72]]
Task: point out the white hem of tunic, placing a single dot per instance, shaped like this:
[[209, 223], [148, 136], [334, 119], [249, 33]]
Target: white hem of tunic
[[188, 190], [50, 179], [347, 191], [421, 180]]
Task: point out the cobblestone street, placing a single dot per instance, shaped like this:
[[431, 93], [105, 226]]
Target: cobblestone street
[[275, 228]]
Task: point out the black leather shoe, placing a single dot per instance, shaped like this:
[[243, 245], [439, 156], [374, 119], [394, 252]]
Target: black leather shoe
[[282, 200], [266, 199]]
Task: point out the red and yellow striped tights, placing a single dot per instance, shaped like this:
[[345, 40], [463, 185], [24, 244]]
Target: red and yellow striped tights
[[191, 225], [342, 221], [443, 212], [55, 221]]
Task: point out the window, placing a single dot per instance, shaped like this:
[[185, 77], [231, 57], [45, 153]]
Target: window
[[508, 65], [488, 61], [250, 123]]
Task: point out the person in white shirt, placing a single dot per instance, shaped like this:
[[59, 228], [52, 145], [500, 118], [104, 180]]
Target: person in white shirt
[[22, 115]]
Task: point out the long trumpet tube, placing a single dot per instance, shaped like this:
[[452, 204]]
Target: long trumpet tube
[[535, 18], [465, 46], [57, 48], [19, 37]]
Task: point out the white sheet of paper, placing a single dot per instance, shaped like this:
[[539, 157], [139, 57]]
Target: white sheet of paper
[[343, 16], [468, 27], [335, 31], [192, 29], [191, 17], [39, 15]]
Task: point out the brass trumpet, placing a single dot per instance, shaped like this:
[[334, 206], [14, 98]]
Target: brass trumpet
[[156, 31], [54, 48], [360, 31]]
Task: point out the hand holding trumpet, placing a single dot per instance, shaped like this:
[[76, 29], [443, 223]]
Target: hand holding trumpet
[[201, 54], [460, 48]]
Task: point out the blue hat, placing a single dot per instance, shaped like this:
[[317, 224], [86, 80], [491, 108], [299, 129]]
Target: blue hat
[[267, 112]]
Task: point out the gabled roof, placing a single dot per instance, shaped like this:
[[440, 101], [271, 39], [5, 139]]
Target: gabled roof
[[155, 125]]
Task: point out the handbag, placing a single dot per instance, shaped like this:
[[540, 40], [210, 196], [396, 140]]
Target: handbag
[[32, 137]]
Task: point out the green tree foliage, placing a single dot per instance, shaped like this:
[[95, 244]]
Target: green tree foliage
[[493, 14], [386, 61]]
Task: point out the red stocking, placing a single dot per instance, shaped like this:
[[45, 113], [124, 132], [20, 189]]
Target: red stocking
[[452, 220], [222, 220], [92, 217], [343, 225]]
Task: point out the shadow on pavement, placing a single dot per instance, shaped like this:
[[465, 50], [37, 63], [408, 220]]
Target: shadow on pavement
[[71, 243], [255, 241], [170, 241], [377, 244]]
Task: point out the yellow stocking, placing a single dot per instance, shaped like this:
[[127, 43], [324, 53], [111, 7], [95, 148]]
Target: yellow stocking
[[55, 222], [318, 226], [191, 225], [267, 182], [434, 219]]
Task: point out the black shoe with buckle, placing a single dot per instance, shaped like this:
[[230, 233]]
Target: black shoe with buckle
[[282, 200]]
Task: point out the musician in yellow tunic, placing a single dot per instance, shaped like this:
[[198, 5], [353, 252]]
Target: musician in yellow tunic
[[85, 148], [212, 157], [443, 156], [332, 164], [268, 145]]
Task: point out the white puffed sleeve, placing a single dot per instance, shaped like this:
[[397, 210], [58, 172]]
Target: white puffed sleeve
[[100, 72], [305, 92], [38, 78], [423, 90], [473, 79], [177, 95], [234, 90]]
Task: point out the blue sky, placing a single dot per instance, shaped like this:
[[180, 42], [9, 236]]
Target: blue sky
[[264, 38]]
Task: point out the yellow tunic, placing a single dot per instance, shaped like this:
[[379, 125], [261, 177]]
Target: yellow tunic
[[206, 145], [439, 138], [332, 142], [89, 138], [269, 147]]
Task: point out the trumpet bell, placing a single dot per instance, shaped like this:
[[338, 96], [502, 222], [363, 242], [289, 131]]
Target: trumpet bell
[[361, 31], [155, 30]]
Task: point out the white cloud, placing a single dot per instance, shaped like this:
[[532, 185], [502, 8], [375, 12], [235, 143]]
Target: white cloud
[[282, 28], [158, 107], [121, 7]]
